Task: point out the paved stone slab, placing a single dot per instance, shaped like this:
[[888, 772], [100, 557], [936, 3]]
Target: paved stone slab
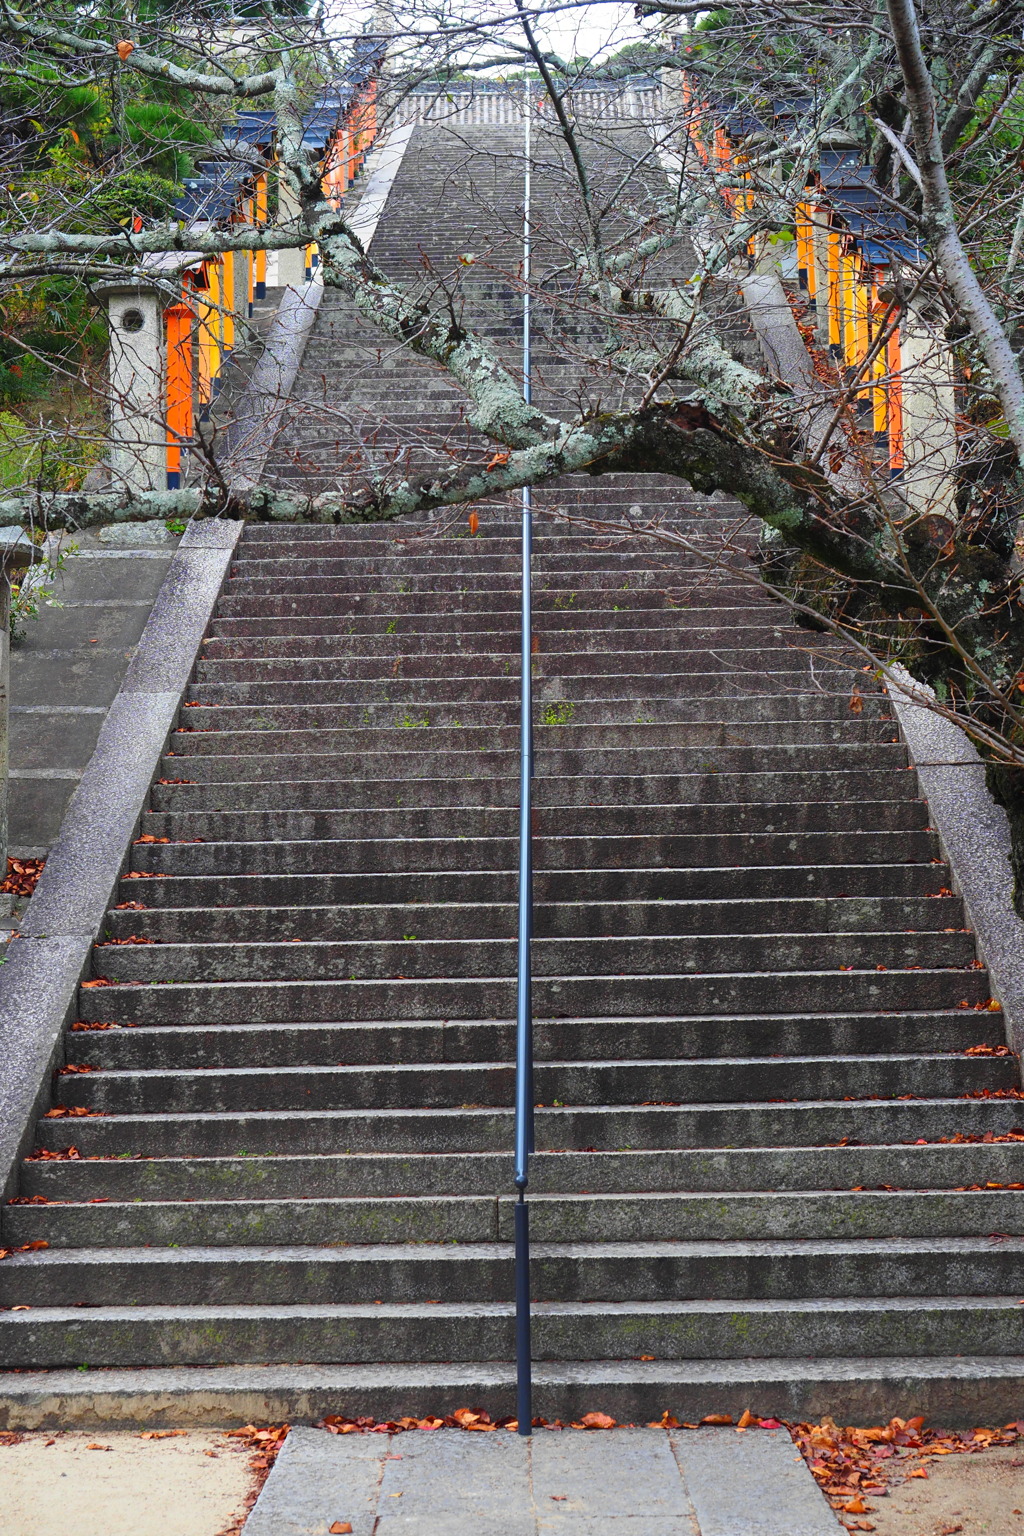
[[751, 1484], [627, 1482]]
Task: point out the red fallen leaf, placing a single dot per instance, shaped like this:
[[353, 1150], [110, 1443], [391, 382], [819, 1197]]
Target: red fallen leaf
[[124, 49], [597, 1421], [474, 523], [771, 1423], [5, 1253], [44, 1155]]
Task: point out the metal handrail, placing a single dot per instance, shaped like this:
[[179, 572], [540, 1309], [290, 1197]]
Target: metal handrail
[[524, 1138]]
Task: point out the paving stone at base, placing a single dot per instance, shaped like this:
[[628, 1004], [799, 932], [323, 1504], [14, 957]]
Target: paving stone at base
[[628, 1482]]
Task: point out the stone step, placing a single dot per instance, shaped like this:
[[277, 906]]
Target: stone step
[[310, 887], [714, 1218], [634, 955], [332, 1175], [562, 1271], [607, 1128], [665, 1330], [316, 819], [407, 1041], [459, 920], [683, 852], [436, 1085]]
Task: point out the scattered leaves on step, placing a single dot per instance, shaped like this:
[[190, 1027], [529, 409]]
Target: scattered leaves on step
[[133, 938], [72, 1112], [22, 876], [131, 906], [98, 981], [74, 1066], [995, 1093], [161, 1434], [82, 1024], [45, 1155], [5, 1253], [989, 1050], [148, 837], [595, 1421]]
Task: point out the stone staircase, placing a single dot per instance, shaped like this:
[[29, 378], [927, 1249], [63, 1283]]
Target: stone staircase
[[778, 1136]]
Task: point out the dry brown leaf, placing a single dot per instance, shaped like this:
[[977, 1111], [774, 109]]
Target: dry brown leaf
[[124, 49], [340, 1527], [597, 1421], [474, 523]]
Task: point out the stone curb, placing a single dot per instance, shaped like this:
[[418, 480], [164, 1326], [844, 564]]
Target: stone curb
[[44, 965], [975, 838], [258, 414]]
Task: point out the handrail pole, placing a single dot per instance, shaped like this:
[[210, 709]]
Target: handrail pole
[[524, 1138]]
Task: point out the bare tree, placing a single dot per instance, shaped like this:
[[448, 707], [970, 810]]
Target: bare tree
[[661, 231]]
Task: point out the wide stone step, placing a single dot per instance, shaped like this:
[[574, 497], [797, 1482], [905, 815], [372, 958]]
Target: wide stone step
[[437, 1084], [639, 955], [606, 1271], [433, 813], [684, 852], [666, 1330], [336, 1175], [597, 1128], [716, 683], [475, 726], [449, 665], [432, 886], [461, 920], [632, 1391], [803, 1216]]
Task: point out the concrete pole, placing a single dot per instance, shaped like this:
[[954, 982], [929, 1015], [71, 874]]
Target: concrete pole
[[291, 264], [138, 431], [929, 415]]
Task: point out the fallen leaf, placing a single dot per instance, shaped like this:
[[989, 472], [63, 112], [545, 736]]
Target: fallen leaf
[[340, 1527], [597, 1421], [161, 1434], [918, 1472], [717, 1418], [474, 523], [746, 1419], [94, 1445]]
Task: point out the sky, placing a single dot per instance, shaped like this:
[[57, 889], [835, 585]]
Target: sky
[[588, 29]]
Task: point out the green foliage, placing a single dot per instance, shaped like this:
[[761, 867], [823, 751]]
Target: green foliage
[[35, 590]]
